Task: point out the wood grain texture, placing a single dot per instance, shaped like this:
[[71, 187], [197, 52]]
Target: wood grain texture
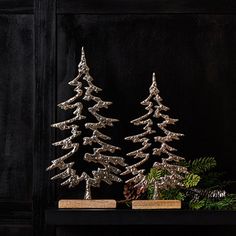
[[16, 107], [16, 123], [16, 230], [16, 213], [156, 204], [45, 42], [76, 203], [17, 6], [147, 6]]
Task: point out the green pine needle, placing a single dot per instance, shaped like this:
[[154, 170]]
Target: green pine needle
[[155, 174], [171, 194], [226, 203], [191, 180], [196, 205], [200, 175], [202, 165]]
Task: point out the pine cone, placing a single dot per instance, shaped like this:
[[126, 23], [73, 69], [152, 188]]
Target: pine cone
[[215, 194], [131, 193], [210, 194]]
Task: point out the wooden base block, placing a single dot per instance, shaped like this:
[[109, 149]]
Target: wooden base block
[[81, 203], [156, 204]]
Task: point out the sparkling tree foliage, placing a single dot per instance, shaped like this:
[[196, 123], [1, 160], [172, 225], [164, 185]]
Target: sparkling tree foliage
[[168, 162], [108, 172]]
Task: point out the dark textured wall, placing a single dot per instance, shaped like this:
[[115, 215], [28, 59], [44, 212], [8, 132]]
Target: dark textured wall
[[17, 106], [189, 44], [16, 122]]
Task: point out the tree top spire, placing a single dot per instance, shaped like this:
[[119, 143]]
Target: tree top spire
[[153, 77], [83, 67], [153, 89], [82, 54]]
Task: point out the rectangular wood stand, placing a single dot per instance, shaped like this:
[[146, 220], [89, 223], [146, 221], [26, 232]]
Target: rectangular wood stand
[[83, 204], [156, 204]]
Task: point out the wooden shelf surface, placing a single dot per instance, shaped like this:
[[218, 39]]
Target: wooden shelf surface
[[138, 217]]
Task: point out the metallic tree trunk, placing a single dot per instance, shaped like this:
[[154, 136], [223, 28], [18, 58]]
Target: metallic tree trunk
[[87, 194], [156, 194]]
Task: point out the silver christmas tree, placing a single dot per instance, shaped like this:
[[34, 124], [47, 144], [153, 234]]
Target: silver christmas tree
[[108, 172], [168, 161]]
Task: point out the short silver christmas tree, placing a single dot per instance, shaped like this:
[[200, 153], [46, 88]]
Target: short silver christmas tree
[[168, 162], [108, 171]]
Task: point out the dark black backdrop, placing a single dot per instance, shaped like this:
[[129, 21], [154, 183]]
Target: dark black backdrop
[[190, 45]]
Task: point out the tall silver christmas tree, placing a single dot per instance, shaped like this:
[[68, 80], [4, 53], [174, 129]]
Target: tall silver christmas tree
[[108, 172], [168, 161]]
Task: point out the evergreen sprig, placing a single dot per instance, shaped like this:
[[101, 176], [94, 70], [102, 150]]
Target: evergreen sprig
[[202, 165], [155, 174], [191, 180], [172, 194], [204, 183], [226, 203]]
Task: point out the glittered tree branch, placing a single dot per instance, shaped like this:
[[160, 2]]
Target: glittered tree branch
[[108, 173]]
